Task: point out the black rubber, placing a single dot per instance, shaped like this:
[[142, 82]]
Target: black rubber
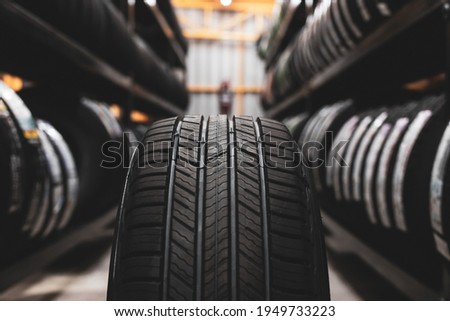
[[201, 220], [56, 181], [417, 173], [296, 124], [68, 171]]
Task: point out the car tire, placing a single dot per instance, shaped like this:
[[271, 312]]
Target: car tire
[[210, 217]]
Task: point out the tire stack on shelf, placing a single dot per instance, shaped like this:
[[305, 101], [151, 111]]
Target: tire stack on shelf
[[51, 171], [62, 155], [331, 32], [394, 173], [41, 182], [392, 141], [86, 125], [397, 186], [99, 27]]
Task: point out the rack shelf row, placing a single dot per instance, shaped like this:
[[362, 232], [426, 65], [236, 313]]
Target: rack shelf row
[[383, 59], [37, 51]]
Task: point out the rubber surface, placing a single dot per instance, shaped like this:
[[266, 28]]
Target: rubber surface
[[68, 171], [201, 220]]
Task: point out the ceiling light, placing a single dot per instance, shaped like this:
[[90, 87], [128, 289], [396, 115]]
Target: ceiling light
[[226, 3]]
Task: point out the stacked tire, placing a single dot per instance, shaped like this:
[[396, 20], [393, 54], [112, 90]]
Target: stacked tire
[[439, 200]]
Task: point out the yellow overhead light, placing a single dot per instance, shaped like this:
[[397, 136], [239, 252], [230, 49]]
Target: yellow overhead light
[[15, 83], [139, 117], [116, 110], [226, 3]]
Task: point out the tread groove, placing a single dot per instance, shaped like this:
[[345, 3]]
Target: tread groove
[[264, 206], [170, 197], [201, 208], [233, 209]]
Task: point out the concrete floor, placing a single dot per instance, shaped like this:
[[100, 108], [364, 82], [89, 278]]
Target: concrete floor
[[83, 273]]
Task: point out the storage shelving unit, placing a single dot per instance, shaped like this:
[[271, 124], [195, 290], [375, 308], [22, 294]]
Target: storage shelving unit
[[419, 27], [49, 56], [38, 52], [413, 44]]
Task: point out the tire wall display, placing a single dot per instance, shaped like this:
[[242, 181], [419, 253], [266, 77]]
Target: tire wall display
[[389, 154], [333, 30], [100, 27], [32, 176], [86, 126], [204, 221]]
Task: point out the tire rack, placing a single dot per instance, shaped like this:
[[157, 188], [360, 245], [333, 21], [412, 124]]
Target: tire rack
[[417, 27], [58, 59], [423, 28], [282, 39]]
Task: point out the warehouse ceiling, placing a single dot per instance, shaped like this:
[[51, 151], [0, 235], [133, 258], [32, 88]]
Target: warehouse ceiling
[[260, 6]]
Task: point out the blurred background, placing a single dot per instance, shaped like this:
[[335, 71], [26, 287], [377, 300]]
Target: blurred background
[[77, 73]]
